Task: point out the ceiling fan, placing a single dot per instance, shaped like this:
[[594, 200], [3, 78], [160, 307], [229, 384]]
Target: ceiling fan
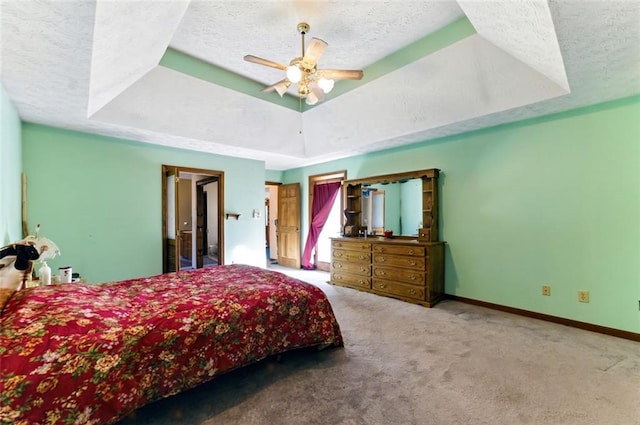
[[313, 83]]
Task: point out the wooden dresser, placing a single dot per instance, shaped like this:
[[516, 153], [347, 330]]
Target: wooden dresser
[[410, 270]]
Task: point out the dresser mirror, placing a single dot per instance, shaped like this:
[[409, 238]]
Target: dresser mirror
[[392, 206], [403, 203]]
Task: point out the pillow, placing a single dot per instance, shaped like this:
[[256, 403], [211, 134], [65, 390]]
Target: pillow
[[10, 280], [16, 262], [5, 296]]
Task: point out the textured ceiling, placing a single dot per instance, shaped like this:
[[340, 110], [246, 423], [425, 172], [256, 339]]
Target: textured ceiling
[[94, 66]]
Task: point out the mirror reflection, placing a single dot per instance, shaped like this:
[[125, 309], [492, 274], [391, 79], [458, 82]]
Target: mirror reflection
[[395, 206]]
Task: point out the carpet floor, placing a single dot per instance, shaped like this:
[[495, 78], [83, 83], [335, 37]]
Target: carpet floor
[[409, 365]]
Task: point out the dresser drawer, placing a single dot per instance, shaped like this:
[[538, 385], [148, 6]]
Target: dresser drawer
[[413, 263], [417, 251], [400, 289], [363, 269], [402, 275], [355, 256], [360, 282], [351, 245]]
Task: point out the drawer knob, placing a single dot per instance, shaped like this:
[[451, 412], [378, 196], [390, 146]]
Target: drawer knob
[[337, 254], [338, 277], [382, 286], [361, 282], [413, 277], [381, 259], [338, 265], [411, 252], [362, 257], [362, 269], [412, 263], [412, 291], [381, 273]]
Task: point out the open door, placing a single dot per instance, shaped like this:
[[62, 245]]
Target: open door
[[289, 225], [170, 232], [207, 221]]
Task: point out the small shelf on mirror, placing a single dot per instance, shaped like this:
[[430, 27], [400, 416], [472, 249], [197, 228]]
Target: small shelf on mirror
[[232, 215]]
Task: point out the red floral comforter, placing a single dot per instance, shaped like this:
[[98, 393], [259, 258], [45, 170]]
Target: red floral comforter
[[90, 354]]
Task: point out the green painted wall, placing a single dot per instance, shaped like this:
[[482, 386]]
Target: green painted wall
[[100, 200], [10, 171], [548, 201], [273, 176]]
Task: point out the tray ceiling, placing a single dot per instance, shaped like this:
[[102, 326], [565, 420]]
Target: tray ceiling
[[172, 73]]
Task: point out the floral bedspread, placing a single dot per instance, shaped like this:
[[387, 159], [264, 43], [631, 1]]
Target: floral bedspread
[[91, 354]]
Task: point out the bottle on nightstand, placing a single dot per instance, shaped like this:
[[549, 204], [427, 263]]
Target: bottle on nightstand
[[45, 274]]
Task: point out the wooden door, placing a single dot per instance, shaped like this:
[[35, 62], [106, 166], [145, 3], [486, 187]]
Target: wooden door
[[170, 231], [289, 225]]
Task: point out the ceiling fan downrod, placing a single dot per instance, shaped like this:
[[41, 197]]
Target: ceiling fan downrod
[[303, 28]]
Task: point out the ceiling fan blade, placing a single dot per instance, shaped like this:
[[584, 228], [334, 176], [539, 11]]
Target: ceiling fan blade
[[341, 74], [312, 54], [265, 62], [281, 87]]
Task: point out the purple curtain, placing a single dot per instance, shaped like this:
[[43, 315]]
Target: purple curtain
[[324, 194]]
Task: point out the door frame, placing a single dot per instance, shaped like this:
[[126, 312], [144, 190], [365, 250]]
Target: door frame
[[271, 234], [335, 176], [220, 222], [170, 252]]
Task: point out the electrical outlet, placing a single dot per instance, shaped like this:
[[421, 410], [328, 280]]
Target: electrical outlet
[[546, 290], [583, 296]]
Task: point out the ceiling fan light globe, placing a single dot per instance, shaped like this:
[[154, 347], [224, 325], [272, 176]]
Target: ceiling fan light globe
[[312, 99], [318, 93], [294, 74], [325, 84], [282, 87]]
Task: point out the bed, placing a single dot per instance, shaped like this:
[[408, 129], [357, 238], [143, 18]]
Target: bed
[[91, 354]]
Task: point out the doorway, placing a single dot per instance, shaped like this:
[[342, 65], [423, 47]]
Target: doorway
[[207, 189], [192, 218], [335, 221]]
